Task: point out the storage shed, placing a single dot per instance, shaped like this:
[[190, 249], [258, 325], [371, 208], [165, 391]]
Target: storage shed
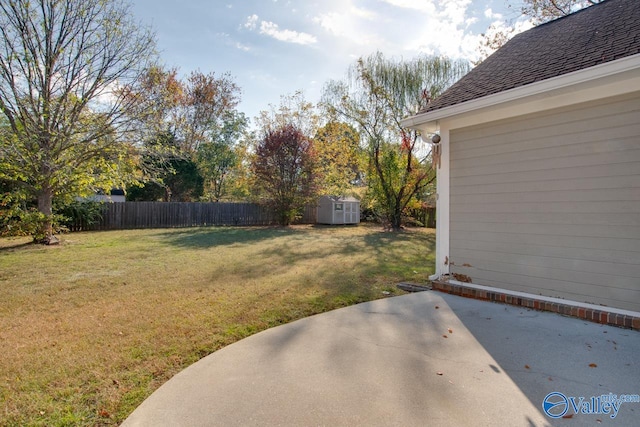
[[338, 210]]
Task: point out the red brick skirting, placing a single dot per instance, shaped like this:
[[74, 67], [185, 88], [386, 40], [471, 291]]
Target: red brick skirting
[[600, 315]]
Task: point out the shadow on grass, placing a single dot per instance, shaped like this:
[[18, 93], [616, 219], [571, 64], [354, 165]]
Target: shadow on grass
[[206, 238], [322, 281], [10, 245]]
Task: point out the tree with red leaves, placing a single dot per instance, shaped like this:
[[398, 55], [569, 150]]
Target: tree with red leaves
[[284, 169]]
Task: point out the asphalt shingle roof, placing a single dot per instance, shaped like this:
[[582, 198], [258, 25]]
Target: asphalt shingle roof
[[595, 35]]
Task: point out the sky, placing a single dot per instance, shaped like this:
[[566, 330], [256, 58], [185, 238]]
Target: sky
[[272, 48]]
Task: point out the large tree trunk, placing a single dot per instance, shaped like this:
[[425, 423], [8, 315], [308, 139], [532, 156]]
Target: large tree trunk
[[45, 234], [396, 218]]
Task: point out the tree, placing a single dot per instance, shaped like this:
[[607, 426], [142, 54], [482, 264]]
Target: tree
[[541, 11], [338, 148], [65, 66], [537, 12], [377, 94], [199, 113], [205, 106], [294, 109], [218, 158], [284, 171], [176, 177]]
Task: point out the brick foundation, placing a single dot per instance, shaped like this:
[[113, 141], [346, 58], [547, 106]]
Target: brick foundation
[[599, 315]]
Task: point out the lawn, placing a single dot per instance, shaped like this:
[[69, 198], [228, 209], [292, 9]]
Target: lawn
[[93, 326]]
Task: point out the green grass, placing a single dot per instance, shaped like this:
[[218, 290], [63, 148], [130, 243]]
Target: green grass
[[93, 326]]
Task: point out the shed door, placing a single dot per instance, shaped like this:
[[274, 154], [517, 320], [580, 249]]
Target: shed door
[[338, 213], [550, 203]]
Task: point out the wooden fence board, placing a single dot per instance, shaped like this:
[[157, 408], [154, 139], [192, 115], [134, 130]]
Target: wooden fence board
[[130, 215]]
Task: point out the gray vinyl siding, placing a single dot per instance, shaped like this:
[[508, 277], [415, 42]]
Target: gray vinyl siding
[[549, 203]]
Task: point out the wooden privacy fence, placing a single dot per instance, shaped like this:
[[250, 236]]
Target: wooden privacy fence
[[129, 215]]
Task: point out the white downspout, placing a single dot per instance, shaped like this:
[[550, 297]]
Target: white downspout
[[442, 207]]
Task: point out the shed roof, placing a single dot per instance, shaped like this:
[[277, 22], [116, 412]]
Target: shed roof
[[601, 33], [340, 198]]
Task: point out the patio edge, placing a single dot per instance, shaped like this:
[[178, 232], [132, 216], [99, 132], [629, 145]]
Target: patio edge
[[598, 314]]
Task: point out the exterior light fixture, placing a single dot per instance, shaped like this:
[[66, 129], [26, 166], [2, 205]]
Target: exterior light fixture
[[436, 150]]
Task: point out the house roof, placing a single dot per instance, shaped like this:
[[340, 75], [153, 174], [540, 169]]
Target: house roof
[[595, 35]]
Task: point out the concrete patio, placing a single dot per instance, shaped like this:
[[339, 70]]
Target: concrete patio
[[427, 358]]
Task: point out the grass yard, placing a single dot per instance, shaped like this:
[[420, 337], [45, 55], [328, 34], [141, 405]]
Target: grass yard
[[90, 328]]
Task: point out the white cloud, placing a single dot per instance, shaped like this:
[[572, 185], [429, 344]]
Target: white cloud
[[443, 31], [426, 6], [273, 30], [251, 22], [229, 41], [353, 26], [346, 26], [243, 47], [489, 13]]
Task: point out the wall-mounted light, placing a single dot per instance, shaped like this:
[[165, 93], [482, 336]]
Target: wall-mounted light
[[435, 151]]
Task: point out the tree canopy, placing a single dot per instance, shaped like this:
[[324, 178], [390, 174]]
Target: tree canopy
[[540, 11], [284, 168], [376, 95], [66, 67], [339, 158], [199, 112]]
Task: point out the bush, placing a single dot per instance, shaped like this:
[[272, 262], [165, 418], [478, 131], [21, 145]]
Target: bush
[[19, 216], [79, 215], [16, 220]]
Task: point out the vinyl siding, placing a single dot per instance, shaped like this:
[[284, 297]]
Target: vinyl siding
[[550, 203]]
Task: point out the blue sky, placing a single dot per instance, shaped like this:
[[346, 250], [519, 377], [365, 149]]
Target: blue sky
[[276, 47]]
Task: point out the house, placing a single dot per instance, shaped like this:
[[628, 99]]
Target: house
[[338, 210], [116, 195], [539, 177]]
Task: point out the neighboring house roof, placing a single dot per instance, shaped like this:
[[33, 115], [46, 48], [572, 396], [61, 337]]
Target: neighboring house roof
[[595, 35]]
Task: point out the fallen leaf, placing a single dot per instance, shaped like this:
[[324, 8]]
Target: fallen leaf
[[444, 336], [439, 373], [526, 367], [568, 416], [104, 414], [450, 330], [550, 379], [593, 365]]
